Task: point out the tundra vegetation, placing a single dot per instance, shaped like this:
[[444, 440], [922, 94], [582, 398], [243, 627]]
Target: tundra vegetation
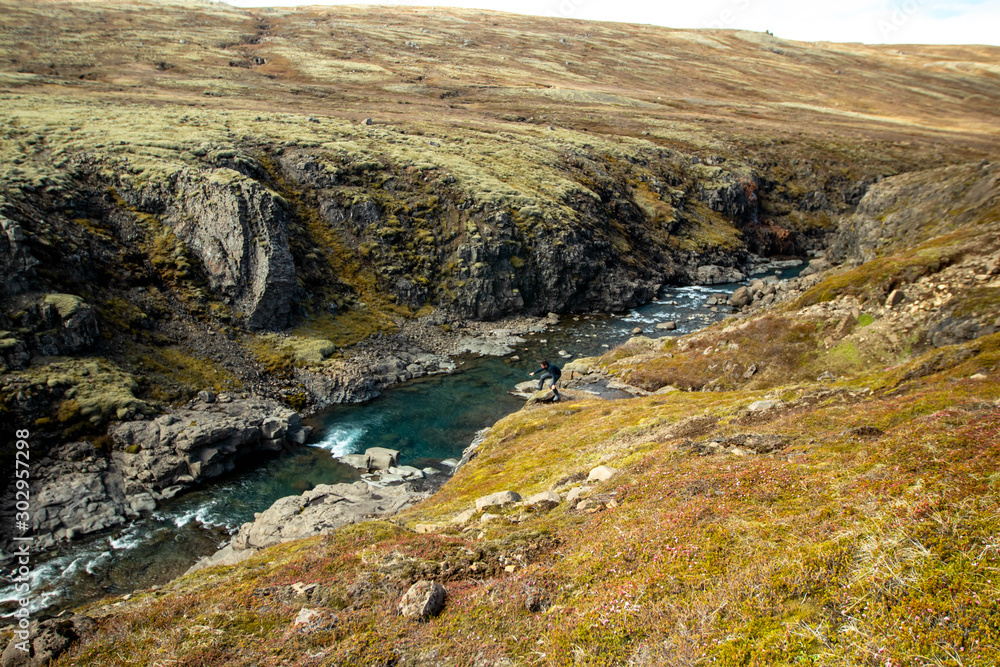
[[210, 197]]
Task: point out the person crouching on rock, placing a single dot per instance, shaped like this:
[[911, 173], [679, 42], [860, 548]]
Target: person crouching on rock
[[551, 372]]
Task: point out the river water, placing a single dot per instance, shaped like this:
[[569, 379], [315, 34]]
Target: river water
[[427, 420]]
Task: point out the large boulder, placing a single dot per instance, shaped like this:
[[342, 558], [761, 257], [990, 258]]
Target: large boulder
[[423, 600], [740, 298]]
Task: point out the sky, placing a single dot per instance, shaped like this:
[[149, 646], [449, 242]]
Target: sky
[[872, 22]]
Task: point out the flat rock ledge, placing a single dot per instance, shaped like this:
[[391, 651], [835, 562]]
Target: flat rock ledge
[[320, 510]]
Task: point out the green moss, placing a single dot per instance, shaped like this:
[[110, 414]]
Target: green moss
[[65, 304]]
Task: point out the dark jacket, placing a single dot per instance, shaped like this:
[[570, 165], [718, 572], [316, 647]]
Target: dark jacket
[[552, 370]]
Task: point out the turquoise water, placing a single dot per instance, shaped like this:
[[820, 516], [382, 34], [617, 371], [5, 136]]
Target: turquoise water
[[427, 420]]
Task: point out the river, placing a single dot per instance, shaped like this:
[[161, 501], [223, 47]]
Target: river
[[428, 420]]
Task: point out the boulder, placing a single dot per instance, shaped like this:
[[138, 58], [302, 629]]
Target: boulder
[[543, 501], [576, 493], [463, 518], [498, 499], [711, 274], [601, 474], [425, 599], [667, 326], [47, 641], [359, 461], [381, 458], [763, 406], [740, 298], [308, 620]]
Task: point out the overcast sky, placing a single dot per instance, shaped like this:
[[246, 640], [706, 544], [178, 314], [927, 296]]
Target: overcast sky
[[874, 22]]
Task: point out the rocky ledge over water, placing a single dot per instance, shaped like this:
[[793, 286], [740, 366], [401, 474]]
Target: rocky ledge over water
[[80, 488]]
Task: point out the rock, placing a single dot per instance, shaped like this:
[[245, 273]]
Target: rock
[[576, 493], [740, 298], [367, 121], [463, 518], [206, 396], [16, 261], [450, 463], [667, 326], [762, 406], [322, 509], [826, 376], [750, 372], [74, 493], [142, 502], [525, 389], [308, 620], [237, 229], [46, 641], [499, 347], [543, 501], [669, 389], [616, 383], [197, 443], [299, 437], [488, 517], [498, 499], [381, 458], [636, 331], [227, 555], [711, 274], [895, 298], [426, 528], [50, 325], [425, 599], [601, 474], [407, 472], [273, 428], [359, 461]]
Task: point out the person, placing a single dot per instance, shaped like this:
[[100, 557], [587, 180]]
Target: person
[[550, 371]]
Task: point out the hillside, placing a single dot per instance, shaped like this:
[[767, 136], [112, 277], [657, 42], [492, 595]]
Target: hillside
[[837, 505], [299, 207]]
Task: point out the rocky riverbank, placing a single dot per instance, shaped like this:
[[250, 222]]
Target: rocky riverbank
[[79, 488]]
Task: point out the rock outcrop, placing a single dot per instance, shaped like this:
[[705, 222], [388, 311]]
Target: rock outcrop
[[78, 489], [324, 508], [46, 641], [910, 208], [237, 228], [177, 450]]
